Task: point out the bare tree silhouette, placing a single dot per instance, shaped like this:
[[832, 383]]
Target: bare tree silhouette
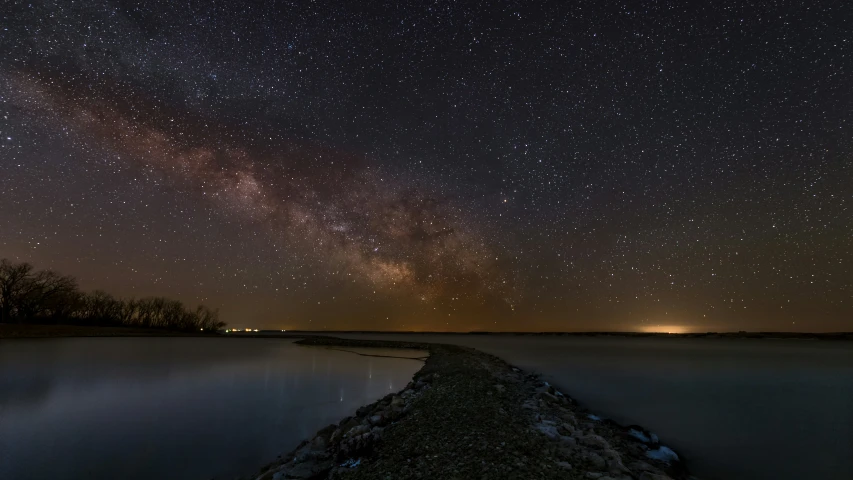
[[31, 296]]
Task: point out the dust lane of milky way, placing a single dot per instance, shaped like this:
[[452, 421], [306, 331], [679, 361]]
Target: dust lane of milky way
[[384, 232]]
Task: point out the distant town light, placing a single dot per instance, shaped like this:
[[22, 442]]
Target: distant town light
[[664, 328]]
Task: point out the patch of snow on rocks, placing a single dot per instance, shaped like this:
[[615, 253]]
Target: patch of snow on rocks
[[351, 463], [639, 435], [664, 454], [549, 429]]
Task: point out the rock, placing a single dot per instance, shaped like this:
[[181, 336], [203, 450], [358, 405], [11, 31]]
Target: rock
[[565, 453], [635, 449], [354, 446], [318, 443], [351, 463], [548, 397], [549, 430], [395, 413], [611, 454], [639, 434], [378, 419], [357, 430], [569, 429], [639, 466], [363, 411], [570, 441], [596, 461], [348, 423], [568, 417], [653, 476], [397, 401], [306, 470], [500, 388], [566, 465], [303, 454], [593, 475], [335, 436], [662, 453], [326, 432], [616, 466], [587, 427], [594, 441]]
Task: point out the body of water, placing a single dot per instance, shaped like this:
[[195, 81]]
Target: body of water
[[737, 409], [174, 408]]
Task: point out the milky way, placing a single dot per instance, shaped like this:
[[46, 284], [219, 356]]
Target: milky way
[[441, 166], [392, 236]]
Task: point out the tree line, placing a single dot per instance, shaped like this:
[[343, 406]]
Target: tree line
[[35, 296]]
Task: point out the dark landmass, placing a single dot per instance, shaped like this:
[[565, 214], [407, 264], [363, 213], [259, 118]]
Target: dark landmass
[[470, 415], [44, 297], [11, 330], [742, 334]]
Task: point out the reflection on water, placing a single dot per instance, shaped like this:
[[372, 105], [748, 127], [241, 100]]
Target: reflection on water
[[173, 407]]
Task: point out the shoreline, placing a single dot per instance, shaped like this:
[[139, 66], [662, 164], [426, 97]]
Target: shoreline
[[829, 336], [467, 414], [11, 330]]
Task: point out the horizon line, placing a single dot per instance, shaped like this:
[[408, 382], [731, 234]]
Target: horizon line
[[563, 332]]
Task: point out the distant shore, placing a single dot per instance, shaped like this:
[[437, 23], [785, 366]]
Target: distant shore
[[743, 334], [467, 414], [10, 330]]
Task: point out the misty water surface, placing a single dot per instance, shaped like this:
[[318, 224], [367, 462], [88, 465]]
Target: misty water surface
[[735, 408], [169, 408]]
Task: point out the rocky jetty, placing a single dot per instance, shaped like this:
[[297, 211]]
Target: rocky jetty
[[469, 415]]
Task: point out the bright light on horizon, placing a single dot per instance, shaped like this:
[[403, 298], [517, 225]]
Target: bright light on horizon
[[664, 329]]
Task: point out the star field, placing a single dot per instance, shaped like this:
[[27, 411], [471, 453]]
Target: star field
[[439, 165]]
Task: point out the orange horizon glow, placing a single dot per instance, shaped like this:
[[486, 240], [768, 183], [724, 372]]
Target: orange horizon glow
[[664, 329]]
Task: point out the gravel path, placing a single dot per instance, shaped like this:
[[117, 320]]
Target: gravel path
[[469, 415]]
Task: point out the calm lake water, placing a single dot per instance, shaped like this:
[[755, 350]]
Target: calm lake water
[[188, 408], [735, 408]]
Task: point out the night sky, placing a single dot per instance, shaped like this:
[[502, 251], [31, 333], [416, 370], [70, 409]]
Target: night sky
[[438, 165]]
